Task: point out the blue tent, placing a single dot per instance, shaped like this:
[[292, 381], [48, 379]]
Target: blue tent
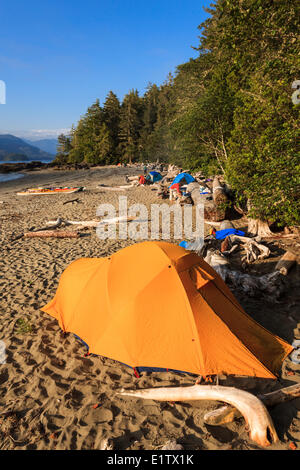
[[183, 177], [154, 176]]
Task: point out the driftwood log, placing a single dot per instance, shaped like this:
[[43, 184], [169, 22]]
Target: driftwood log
[[54, 224], [211, 211], [254, 411], [219, 196], [272, 284], [52, 234], [286, 262], [116, 188], [83, 223], [226, 224], [92, 223], [227, 414]]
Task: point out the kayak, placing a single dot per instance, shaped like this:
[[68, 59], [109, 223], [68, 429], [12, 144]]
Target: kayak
[[41, 191]]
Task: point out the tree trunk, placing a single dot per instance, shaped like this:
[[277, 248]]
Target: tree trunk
[[258, 227]]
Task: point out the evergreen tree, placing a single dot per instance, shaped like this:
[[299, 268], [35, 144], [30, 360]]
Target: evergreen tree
[[112, 116], [130, 126], [63, 149]]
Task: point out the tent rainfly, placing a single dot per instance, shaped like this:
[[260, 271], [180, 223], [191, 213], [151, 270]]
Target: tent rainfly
[[156, 305]]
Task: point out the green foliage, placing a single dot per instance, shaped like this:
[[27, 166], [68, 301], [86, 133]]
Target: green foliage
[[23, 326]]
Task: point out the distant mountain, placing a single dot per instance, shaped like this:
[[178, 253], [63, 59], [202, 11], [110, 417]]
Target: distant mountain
[[13, 148], [47, 145]]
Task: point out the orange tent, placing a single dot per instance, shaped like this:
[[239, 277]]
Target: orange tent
[[155, 304]]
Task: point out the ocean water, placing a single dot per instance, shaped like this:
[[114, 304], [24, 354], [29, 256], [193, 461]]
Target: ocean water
[[14, 176], [10, 176], [26, 161]]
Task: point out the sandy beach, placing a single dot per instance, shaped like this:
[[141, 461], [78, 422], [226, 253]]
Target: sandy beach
[[54, 397]]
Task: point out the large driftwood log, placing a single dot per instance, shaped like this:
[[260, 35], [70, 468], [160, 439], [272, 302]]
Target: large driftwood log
[[272, 284], [226, 224], [226, 414], [254, 411], [51, 234], [219, 195], [286, 262], [220, 198], [211, 211], [116, 188]]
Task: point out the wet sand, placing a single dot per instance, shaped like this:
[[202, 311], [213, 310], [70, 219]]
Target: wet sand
[[54, 397]]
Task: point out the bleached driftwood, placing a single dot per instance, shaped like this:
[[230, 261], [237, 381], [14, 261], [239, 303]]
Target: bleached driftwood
[[218, 262], [271, 284], [54, 224], [116, 188], [226, 414], [122, 218], [83, 223], [92, 223], [131, 178], [255, 251], [254, 411], [286, 262], [226, 224]]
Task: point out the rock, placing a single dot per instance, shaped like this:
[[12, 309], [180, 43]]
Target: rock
[[105, 444], [172, 445]]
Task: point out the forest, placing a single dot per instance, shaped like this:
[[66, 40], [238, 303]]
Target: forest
[[232, 110]]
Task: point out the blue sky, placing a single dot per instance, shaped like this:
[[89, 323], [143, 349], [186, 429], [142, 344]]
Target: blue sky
[[57, 57]]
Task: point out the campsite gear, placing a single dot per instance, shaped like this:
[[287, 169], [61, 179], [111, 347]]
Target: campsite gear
[[142, 179], [154, 177], [156, 305], [39, 191], [176, 187], [183, 178], [222, 234], [195, 245]]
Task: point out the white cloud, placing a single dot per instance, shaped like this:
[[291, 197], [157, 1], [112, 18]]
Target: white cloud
[[37, 134]]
